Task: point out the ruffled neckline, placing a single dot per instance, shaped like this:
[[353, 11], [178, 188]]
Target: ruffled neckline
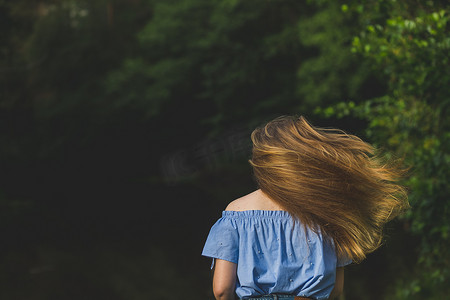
[[256, 214]]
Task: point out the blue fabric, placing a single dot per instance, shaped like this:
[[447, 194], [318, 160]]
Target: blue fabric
[[274, 297], [274, 254]]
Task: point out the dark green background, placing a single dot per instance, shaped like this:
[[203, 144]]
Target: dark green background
[[125, 130]]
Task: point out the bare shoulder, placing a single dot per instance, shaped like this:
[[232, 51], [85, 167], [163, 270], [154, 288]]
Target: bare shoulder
[[253, 201], [242, 203]]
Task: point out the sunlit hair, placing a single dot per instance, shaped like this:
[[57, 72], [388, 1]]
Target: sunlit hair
[[331, 181]]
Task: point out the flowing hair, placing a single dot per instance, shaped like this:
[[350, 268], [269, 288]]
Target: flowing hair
[[331, 181]]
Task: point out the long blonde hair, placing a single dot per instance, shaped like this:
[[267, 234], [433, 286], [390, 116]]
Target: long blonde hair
[[331, 181]]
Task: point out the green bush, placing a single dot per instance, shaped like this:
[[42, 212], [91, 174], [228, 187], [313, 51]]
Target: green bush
[[408, 44]]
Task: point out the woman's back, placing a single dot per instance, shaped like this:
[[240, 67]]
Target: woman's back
[[323, 194], [274, 254]]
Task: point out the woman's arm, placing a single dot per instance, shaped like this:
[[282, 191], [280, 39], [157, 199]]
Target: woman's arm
[[224, 280], [339, 284]]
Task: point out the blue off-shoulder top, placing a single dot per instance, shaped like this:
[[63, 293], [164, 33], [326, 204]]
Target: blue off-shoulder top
[[274, 253]]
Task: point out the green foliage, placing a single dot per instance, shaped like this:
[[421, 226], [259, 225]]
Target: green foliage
[[414, 48], [409, 46], [238, 60], [327, 72], [82, 81], [224, 60]]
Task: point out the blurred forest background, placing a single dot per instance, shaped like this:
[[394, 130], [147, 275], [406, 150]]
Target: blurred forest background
[[125, 130]]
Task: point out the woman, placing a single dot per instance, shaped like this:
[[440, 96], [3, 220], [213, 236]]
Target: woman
[[322, 202]]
